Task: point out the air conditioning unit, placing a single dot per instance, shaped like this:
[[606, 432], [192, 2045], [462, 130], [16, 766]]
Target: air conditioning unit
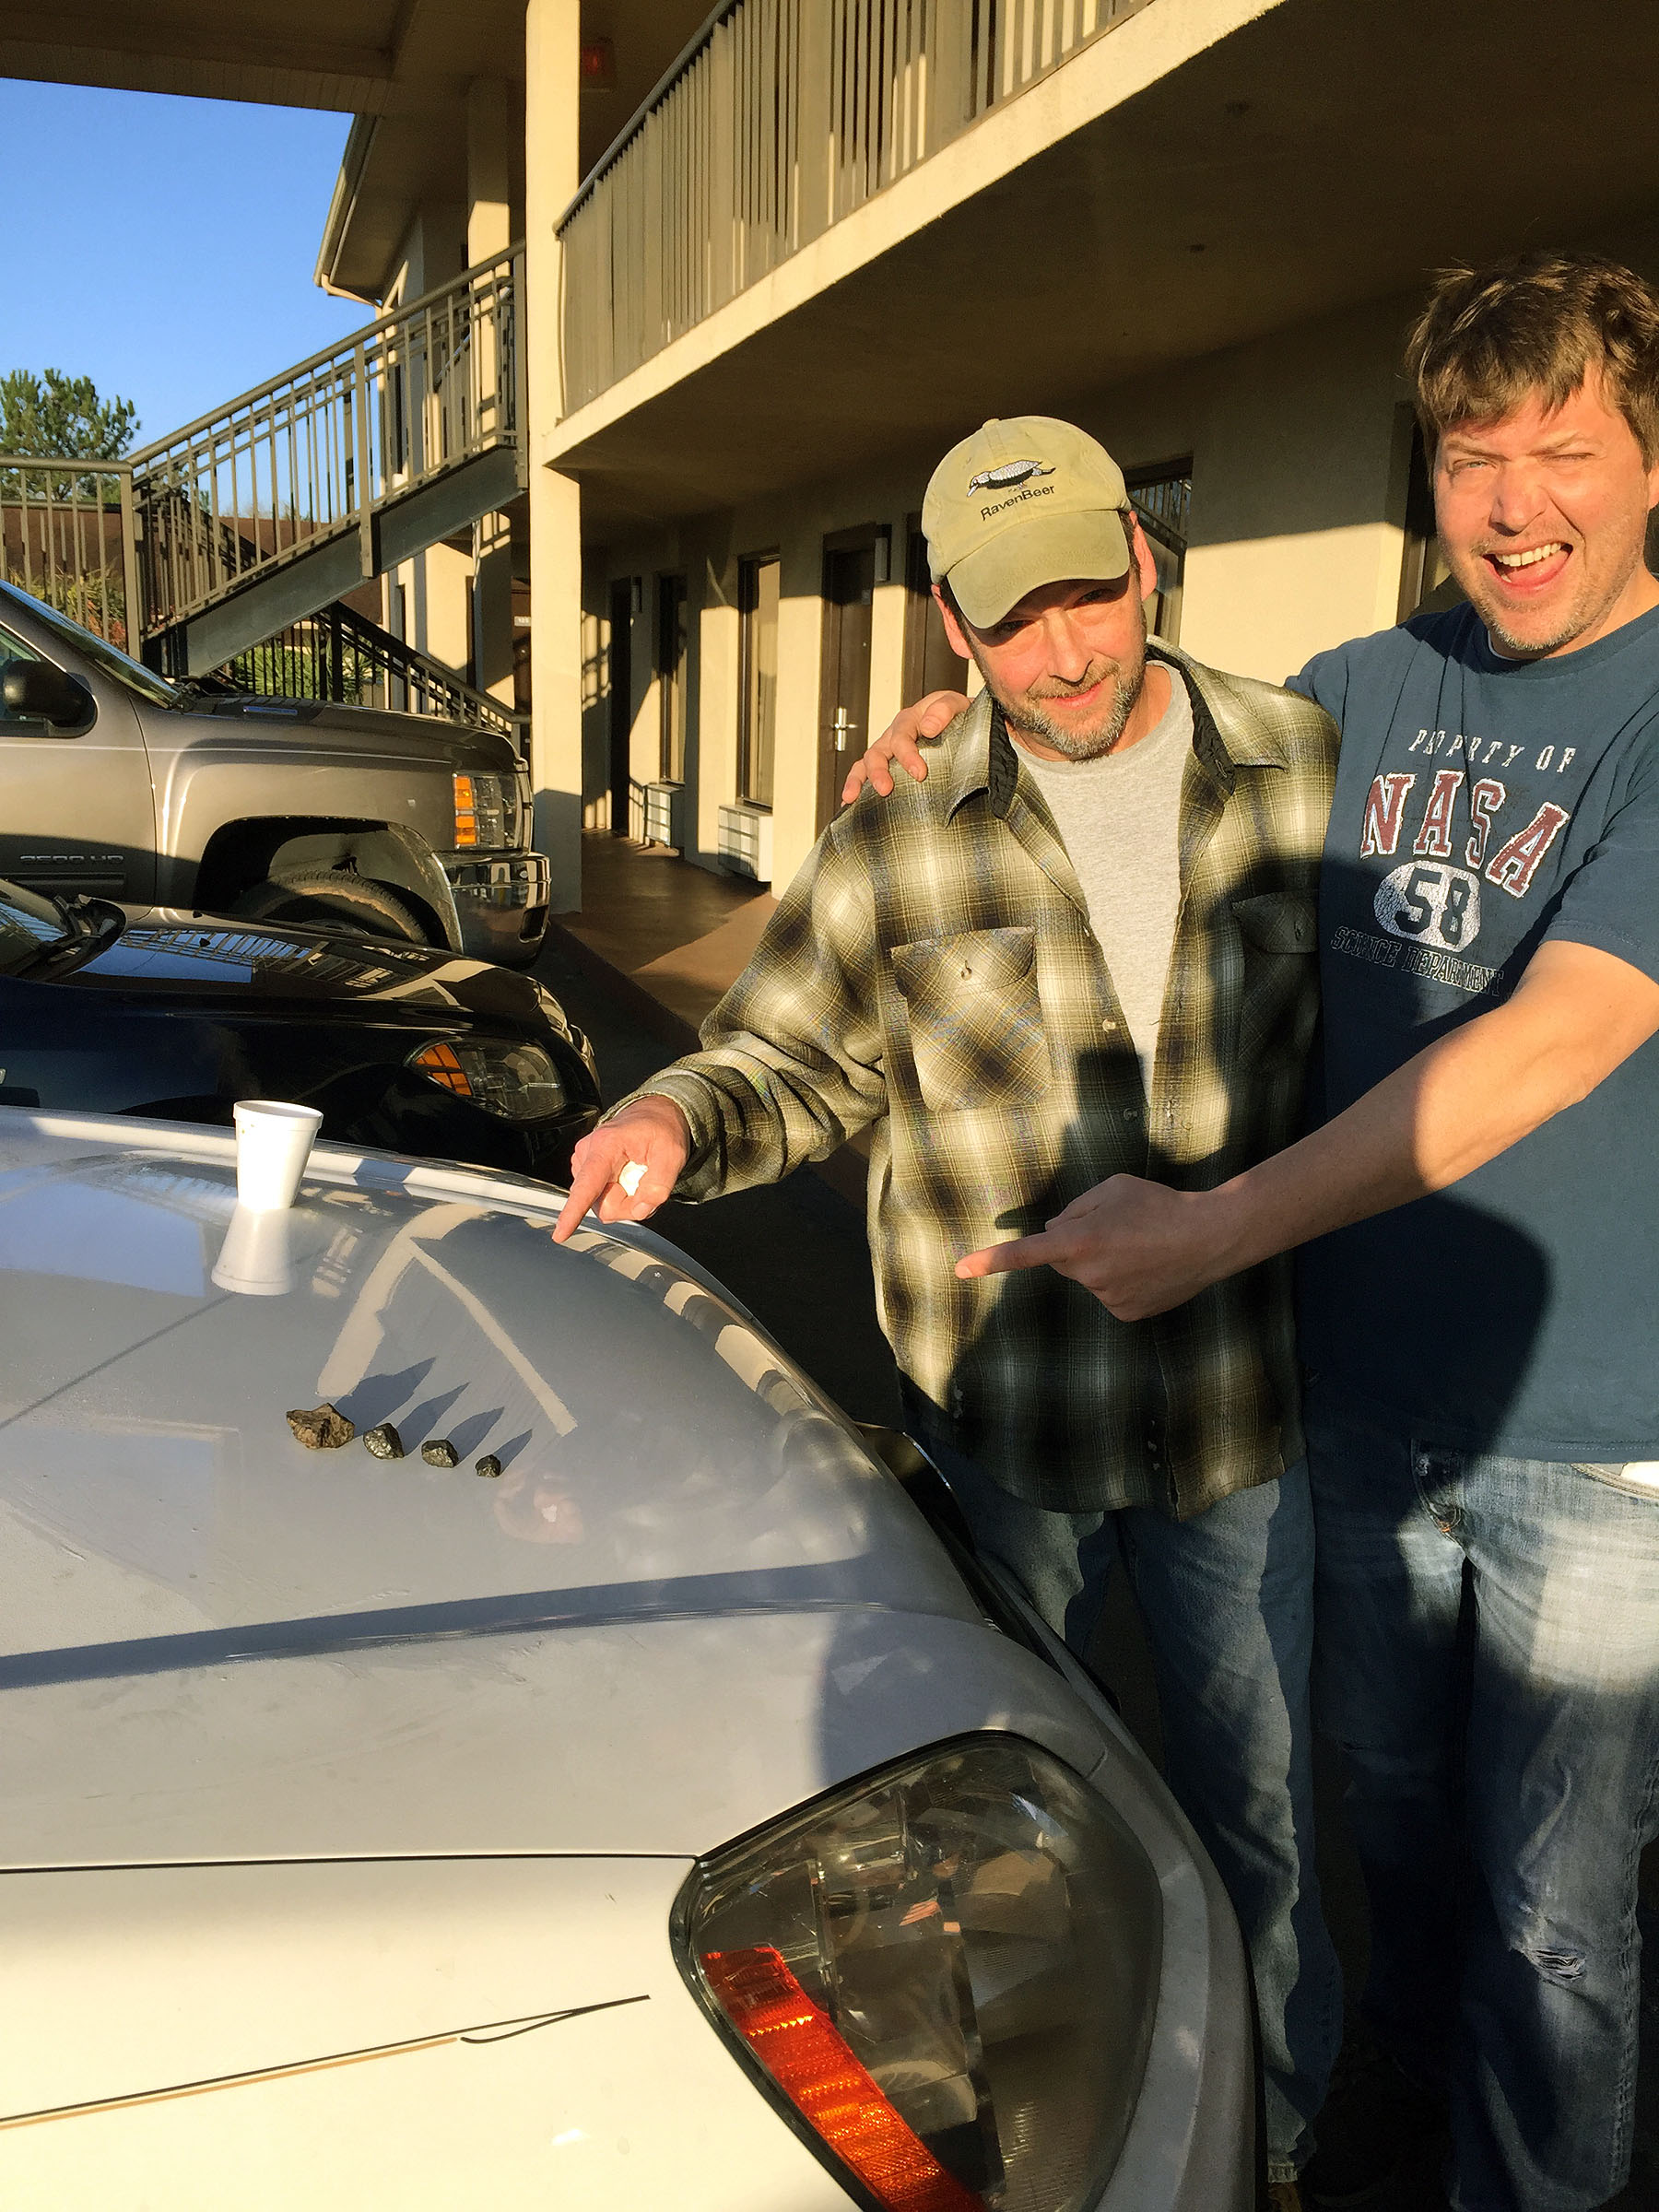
[[665, 814], [746, 840]]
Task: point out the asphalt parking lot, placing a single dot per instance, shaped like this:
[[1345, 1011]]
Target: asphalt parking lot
[[796, 1256]]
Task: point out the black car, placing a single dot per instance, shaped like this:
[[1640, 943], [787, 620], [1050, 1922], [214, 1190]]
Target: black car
[[178, 1016]]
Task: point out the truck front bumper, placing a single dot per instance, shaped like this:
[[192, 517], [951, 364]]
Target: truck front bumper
[[503, 900]]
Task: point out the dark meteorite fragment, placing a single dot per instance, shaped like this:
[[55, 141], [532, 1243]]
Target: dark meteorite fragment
[[441, 1452], [383, 1441], [488, 1464], [320, 1427]]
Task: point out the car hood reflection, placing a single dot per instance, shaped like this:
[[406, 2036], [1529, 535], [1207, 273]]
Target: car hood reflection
[[659, 1459]]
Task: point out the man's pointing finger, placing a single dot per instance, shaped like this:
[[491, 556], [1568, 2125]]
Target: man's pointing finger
[[1007, 1259]]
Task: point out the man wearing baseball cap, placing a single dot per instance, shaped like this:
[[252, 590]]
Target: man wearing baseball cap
[[1083, 947]]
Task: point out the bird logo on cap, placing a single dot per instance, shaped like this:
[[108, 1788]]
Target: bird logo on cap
[[1010, 472]]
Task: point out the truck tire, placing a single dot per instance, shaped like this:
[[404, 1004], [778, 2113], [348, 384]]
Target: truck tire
[[331, 899]]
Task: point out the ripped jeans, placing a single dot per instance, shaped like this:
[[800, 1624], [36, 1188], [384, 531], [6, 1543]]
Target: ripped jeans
[[1488, 1656]]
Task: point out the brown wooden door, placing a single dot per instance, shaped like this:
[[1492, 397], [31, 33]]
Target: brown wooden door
[[844, 708]]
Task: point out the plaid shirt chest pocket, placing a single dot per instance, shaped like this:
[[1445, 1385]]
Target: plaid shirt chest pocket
[[975, 1018], [1278, 1001]]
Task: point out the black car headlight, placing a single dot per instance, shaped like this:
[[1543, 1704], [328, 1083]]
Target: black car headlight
[[945, 1975], [519, 1082]]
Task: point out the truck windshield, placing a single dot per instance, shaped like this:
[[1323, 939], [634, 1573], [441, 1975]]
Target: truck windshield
[[28, 924], [108, 659]]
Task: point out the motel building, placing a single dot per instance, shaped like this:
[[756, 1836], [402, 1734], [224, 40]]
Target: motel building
[[769, 260]]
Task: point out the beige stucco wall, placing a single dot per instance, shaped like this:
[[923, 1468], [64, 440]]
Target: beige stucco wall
[[1295, 533]]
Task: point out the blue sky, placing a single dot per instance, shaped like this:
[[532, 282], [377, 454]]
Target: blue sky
[[165, 247]]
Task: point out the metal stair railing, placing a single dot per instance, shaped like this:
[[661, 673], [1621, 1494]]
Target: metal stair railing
[[339, 654], [318, 452], [68, 536], [250, 519]]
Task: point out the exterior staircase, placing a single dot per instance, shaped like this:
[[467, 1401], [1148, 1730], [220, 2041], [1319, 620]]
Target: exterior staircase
[[205, 544]]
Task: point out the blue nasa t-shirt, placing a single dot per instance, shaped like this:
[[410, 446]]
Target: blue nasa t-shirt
[[1483, 805]]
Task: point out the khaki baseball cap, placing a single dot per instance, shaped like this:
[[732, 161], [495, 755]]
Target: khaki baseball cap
[[1026, 501]]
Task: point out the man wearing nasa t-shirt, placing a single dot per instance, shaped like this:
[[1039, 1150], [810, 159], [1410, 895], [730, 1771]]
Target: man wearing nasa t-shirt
[[1483, 1418]]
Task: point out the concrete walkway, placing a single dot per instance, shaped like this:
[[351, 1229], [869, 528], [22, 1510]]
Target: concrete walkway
[[681, 933]]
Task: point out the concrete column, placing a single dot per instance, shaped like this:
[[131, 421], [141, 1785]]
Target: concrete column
[[491, 118], [552, 171]]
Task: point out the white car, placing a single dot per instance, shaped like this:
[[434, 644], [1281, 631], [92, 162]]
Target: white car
[[672, 1819]]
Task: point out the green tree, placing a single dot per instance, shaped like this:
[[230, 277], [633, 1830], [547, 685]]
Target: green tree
[[54, 414]]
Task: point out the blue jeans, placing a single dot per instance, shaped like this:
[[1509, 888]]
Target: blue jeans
[[1489, 1659], [1227, 1599]]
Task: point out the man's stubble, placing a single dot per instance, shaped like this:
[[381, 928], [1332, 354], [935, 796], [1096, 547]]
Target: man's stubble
[[1026, 716]]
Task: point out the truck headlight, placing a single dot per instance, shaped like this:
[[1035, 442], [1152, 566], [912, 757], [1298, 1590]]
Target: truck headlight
[[945, 1975], [486, 811], [519, 1082]]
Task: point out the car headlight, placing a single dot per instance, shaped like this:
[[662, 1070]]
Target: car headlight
[[945, 1975], [486, 811], [519, 1082]]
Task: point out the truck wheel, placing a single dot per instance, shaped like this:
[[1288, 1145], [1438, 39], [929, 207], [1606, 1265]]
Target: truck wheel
[[331, 899]]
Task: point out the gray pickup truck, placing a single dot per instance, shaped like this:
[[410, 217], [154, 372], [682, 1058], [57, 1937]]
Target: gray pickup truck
[[115, 782]]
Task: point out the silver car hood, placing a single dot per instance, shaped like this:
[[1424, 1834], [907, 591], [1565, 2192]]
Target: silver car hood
[[688, 1600]]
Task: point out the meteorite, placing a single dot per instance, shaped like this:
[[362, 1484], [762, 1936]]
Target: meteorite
[[383, 1441], [488, 1464], [441, 1452], [321, 1429]]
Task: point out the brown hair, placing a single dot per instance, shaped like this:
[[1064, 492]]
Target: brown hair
[[1536, 323]]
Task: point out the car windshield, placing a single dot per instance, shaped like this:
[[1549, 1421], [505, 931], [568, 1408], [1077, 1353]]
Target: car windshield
[[108, 659], [27, 924]]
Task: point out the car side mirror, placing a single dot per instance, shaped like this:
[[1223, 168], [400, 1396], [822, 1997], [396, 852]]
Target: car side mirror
[[36, 691]]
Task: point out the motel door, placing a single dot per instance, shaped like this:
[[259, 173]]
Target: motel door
[[850, 565]]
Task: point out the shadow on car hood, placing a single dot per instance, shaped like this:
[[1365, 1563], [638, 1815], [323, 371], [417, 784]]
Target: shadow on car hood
[[656, 1454], [681, 1527]]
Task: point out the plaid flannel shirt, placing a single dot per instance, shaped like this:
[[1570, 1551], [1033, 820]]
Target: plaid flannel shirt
[[931, 973]]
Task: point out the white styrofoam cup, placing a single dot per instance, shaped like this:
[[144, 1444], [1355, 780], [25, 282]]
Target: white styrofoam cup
[[273, 1144]]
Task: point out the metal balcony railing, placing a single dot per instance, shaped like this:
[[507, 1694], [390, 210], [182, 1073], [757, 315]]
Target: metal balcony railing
[[780, 119], [290, 494]]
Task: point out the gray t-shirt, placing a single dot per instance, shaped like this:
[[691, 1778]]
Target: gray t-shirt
[[1119, 818]]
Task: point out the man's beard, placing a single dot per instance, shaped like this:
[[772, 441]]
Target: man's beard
[[1026, 715]]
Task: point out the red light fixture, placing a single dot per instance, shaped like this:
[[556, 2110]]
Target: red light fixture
[[797, 2044], [597, 66]]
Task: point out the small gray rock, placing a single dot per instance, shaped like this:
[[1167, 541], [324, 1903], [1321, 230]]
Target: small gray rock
[[383, 1441], [488, 1464], [441, 1452], [320, 1427]]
